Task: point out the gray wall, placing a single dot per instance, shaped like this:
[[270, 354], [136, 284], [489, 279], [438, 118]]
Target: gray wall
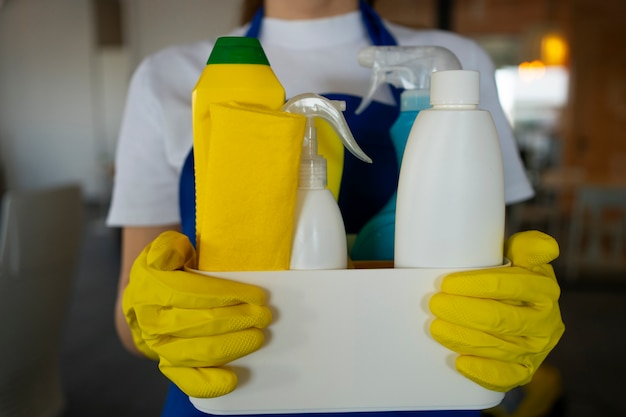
[[61, 96]]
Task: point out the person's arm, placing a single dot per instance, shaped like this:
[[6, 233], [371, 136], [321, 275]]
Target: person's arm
[[134, 240]]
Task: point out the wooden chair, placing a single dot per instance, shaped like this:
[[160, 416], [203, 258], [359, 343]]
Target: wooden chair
[[597, 230]]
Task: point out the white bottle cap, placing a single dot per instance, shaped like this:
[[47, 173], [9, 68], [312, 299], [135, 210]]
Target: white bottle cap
[[454, 87]]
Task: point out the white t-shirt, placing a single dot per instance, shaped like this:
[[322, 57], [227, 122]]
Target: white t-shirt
[[156, 131]]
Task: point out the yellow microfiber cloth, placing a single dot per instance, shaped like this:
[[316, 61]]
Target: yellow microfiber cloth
[[249, 190]]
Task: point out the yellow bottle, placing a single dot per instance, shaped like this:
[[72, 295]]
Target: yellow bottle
[[237, 82]]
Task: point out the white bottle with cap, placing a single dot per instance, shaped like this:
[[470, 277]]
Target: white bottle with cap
[[450, 206]]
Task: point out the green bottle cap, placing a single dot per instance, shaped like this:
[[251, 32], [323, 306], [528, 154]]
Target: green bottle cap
[[237, 50]]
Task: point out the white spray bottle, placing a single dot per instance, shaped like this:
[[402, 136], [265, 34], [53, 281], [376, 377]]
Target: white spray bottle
[[450, 207], [319, 240], [409, 68]]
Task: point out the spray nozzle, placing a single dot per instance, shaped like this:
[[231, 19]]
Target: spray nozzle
[[407, 67], [313, 105], [313, 165]]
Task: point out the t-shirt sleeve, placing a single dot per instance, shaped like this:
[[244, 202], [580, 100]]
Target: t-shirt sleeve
[[517, 186], [145, 188]]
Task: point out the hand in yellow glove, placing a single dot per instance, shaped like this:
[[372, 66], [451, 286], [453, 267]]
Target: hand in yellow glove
[[503, 322], [192, 324]]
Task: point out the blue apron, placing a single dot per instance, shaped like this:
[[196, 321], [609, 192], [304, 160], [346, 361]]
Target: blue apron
[[365, 188]]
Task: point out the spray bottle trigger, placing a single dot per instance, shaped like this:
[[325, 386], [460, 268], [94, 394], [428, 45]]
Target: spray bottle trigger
[[377, 81], [313, 105], [406, 67]]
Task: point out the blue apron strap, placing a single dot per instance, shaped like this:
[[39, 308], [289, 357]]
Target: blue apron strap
[[255, 24], [378, 33], [187, 199]]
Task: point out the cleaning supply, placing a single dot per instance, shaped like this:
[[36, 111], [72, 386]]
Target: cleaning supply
[[450, 204], [407, 67], [504, 321], [246, 154], [319, 240]]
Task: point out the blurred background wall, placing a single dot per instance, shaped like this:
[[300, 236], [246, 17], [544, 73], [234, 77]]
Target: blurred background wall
[[64, 70]]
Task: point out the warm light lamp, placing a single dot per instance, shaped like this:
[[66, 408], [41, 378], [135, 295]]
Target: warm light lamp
[[553, 49], [545, 43]]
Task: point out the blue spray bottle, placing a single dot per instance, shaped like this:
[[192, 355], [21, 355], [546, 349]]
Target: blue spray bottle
[[409, 68]]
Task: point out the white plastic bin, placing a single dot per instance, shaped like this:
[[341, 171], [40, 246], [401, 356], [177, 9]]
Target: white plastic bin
[[347, 341]]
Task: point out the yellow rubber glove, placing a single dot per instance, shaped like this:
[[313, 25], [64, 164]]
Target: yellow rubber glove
[[503, 322], [192, 324]]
